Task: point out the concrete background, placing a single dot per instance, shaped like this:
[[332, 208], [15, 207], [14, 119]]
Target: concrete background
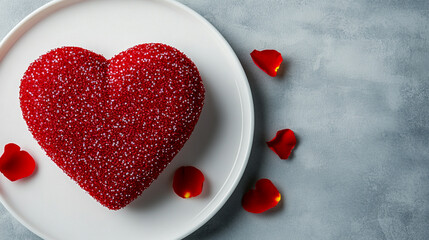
[[354, 87]]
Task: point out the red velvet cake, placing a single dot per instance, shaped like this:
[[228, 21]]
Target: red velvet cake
[[112, 125]]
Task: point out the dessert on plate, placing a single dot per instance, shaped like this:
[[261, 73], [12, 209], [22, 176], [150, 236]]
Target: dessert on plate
[[112, 125]]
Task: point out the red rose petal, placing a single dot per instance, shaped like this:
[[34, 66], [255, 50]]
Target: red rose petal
[[267, 60], [283, 143], [265, 196], [16, 164], [188, 182]]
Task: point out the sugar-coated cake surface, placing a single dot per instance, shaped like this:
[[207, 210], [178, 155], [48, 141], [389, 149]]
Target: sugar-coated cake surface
[[112, 125]]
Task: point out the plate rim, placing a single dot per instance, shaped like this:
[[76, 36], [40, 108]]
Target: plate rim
[[50, 7]]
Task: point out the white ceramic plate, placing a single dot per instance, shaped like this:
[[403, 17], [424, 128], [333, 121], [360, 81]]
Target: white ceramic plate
[[52, 205]]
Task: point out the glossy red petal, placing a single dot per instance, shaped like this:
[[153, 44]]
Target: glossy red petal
[[188, 182], [267, 60], [265, 196], [283, 143], [16, 164]]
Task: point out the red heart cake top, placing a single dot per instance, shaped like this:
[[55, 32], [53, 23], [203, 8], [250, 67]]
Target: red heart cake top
[[112, 125]]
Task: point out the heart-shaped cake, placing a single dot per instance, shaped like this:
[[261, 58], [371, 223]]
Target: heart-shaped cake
[[112, 125]]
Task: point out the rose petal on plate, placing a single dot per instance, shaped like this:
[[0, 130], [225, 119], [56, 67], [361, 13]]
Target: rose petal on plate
[[268, 60], [188, 182], [16, 164], [265, 196], [283, 143]]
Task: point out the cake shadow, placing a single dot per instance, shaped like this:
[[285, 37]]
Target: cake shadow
[[161, 190], [232, 208]]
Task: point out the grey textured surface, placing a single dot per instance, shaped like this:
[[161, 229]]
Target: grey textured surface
[[354, 87]]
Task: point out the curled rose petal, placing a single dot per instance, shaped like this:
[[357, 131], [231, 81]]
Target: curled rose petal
[[283, 143], [265, 196], [267, 60], [16, 164], [188, 182]]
